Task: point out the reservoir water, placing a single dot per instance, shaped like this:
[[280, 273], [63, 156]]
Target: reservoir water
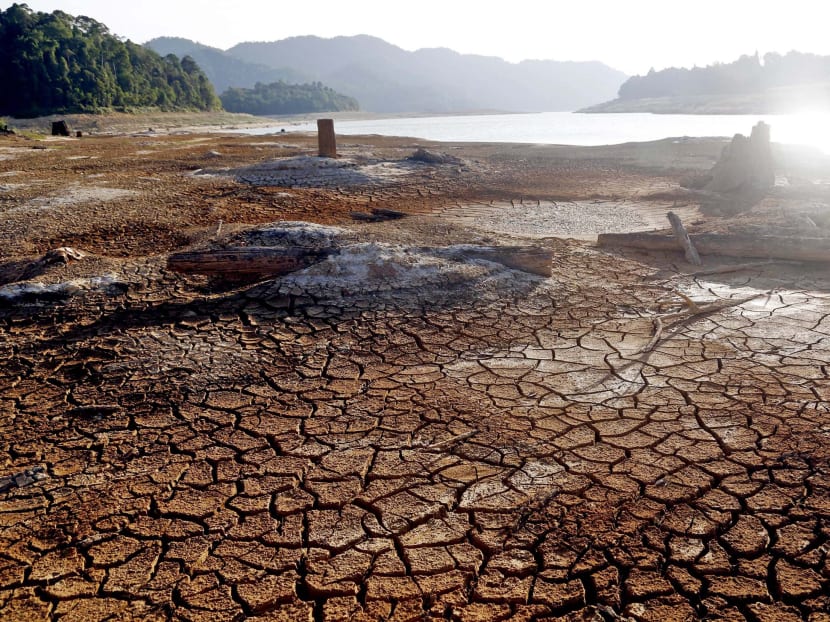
[[571, 128]]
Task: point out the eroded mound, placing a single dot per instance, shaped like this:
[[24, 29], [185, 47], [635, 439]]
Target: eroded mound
[[317, 172]]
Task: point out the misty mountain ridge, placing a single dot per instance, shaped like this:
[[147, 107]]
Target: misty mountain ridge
[[222, 69], [386, 78]]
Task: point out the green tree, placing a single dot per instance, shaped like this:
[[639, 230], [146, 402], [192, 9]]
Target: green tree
[[282, 98], [57, 63]]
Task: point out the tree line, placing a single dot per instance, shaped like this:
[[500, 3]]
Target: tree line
[[58, 63], [282, 98], [745, 75]]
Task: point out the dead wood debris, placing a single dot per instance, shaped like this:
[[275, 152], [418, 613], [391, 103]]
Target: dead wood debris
[[693, 309]]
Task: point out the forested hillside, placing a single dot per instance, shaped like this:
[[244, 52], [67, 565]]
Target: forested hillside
[[745, 75], [778, 83], [282, 98], [58, 63]]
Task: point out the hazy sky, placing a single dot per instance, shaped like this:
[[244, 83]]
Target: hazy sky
[[631, 35]]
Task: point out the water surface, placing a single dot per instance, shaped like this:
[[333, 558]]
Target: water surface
[[571, 128]]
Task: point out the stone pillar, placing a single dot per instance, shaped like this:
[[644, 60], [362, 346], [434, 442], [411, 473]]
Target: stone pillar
[[325, 138]]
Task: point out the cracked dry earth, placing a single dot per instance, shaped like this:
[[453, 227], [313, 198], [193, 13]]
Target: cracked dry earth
[[175, 451]]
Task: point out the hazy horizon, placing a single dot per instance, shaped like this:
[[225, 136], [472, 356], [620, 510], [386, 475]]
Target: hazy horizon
[[633, 37]]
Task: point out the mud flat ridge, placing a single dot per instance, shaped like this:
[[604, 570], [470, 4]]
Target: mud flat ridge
[[395, 433]]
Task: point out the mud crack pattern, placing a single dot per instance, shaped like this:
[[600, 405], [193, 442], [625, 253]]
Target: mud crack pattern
[[257, 456]]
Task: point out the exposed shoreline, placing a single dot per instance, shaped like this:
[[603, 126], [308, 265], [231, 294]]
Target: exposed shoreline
[[114, 123]]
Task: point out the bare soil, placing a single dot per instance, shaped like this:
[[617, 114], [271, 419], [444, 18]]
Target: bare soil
[[487, 447]]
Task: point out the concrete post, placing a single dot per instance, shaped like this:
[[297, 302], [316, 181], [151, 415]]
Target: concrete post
[[325, 138]]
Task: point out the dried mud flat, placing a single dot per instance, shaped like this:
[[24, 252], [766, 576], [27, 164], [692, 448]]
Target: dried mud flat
[[479, 444]]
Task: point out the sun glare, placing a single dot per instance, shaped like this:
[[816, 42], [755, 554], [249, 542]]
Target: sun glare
[[807, 127]]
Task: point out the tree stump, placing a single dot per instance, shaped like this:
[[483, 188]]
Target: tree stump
[[59, 128], [746, 164]]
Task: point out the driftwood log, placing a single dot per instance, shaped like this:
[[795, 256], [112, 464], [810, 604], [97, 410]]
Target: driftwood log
[[693, 310], [728, 245], [531, 259], [245, 261], [267, 261]]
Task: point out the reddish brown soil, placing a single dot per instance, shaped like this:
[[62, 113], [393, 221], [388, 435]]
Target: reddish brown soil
[[175, 450]]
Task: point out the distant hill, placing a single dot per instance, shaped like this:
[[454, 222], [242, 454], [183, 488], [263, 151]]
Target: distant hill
[[222, 69], [58, 63], [386, 78], [779, 84], [281, 98]]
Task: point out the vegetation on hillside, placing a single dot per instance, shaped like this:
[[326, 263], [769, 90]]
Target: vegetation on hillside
[[746, 75], [282, 98], [58, 63]]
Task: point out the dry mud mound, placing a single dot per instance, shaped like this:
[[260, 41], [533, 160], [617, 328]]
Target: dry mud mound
[[292, 233], [375, 274], [319, 172]]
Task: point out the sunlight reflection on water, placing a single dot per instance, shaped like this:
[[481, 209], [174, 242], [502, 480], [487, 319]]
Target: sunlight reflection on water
[[566, 128]]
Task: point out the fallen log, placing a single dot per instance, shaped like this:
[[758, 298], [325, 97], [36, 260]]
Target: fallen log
[[246, 261], [736, 267], [532, 259], [728, 245]]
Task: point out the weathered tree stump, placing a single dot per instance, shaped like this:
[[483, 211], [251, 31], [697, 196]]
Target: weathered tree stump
[[745, 164]]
